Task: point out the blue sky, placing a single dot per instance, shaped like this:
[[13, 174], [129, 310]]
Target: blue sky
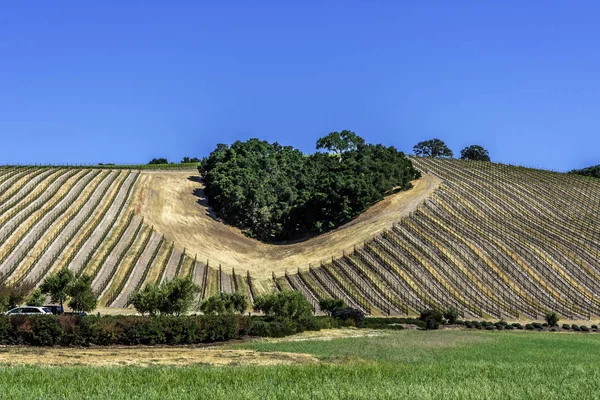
[[123, 82]]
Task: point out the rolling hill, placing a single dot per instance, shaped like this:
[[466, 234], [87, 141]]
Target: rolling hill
[[490, 240]]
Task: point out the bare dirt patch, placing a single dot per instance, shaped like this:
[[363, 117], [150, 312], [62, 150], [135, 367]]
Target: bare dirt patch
[[147, 356], [174, 203]]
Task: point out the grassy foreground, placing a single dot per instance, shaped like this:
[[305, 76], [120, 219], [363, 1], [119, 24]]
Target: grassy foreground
[[435, 364]]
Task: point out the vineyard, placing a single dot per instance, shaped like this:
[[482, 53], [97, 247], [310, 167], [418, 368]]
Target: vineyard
[[490, 240]]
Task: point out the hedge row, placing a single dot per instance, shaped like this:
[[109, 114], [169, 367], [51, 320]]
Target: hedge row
[[122, 330], [71, 330]]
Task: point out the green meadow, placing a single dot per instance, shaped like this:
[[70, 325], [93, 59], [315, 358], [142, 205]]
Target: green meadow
[[401, 364]]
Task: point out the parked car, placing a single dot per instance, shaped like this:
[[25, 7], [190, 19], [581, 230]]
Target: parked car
[[56, 310], [29, 311]]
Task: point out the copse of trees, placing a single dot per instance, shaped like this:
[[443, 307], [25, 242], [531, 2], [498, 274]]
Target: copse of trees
[[475, 153], [432, 148], [12, 296], [173, 297], [276, 193], [63, 285], [224, 303], [590, 171], [158, 161], [187, 160]]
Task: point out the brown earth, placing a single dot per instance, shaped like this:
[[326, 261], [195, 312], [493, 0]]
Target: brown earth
[[174, 203]]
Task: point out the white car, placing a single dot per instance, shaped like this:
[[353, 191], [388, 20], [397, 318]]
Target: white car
[[29, 311]]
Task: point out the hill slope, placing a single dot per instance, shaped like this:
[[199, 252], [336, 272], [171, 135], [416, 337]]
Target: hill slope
[[487, 239]]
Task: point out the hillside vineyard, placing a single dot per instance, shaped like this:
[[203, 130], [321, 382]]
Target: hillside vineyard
[[492, 241]]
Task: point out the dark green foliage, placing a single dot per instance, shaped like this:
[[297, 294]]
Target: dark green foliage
[[393, 323], [475, 153], [575, 327], [590, 171], [566, 327], [36, 298], [82, 295], [286, 312], [594, 326], [340, 142], [284, 305], [509, 327], [432, 148], [120, 330], [174, 297], [584, 328], [349, 314], [490, 327], [552, 318], [536, 325], [12, 296], [433, 318], [451, 315], [330, 305], [224, 303], [187, 160], [36, 330], [57, 285], [158, 161], [274, 192], [518, 326], [553, 329]]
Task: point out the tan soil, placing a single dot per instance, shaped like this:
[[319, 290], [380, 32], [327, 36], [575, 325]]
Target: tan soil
[[174, 203]]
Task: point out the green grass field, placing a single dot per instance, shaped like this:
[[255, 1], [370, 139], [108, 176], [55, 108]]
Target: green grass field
[[403, 364]]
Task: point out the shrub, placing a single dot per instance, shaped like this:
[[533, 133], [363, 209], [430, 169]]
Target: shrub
[[594, 326], [509, 327], [490, 327], [529, 327], [584, 328], [225, 303], [575, 327], [553, 329], [350, 314], [517, 325], [284, 305], [566, 327], [536, 325], [552, 318], [174, 297], [451, 315], [329, 305], [433, 318]]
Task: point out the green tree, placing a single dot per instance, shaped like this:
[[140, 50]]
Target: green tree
[[155, 161], [187, 160], [276, 193], [284, 305], [14, 295], [475, 153], [57, 285], [36, 298], [82, 295], [224, 303], [433, 148], [340, 142], [330, 305], [148, 300], [172, 297], [590, 171], [552, 318]]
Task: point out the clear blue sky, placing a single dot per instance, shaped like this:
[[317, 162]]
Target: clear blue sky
[[84, 82]]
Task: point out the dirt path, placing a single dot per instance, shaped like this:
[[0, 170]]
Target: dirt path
[[174, 203]]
